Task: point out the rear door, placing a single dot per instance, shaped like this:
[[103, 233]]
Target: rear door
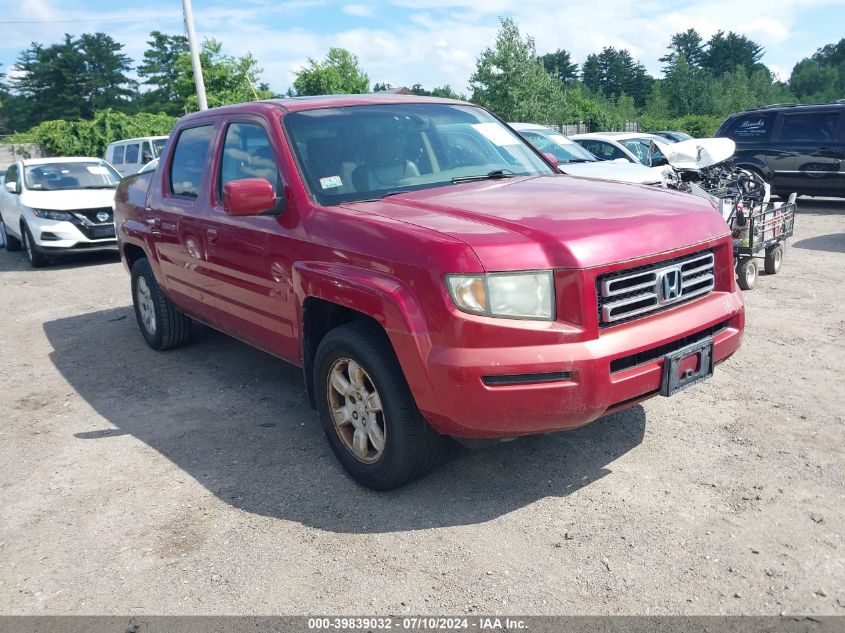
[[117, 158], [132, 159], [177, 218], [806, 155]]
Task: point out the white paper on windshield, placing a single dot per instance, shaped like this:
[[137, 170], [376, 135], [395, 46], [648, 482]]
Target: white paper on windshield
[[496, 134], [330, 182], [561, 139], [99, 170]]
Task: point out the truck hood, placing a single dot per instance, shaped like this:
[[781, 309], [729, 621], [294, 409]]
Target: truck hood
[[556, 221], [69, 199], [628, 172]]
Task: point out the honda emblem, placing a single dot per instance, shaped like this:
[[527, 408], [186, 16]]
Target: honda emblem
[[669, 285]]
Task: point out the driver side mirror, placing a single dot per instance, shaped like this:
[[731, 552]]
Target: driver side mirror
[[248, 196], [551, 158], [146, 158], [12, 187], [659, 160]]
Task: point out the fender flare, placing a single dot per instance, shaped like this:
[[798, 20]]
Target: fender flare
[[379, 296]]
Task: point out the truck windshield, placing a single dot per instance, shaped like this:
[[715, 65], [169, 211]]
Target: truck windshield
[[61, 176], [367, 152]]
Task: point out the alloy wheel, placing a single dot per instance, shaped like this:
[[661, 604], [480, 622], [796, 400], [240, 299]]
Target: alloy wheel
[[356, 410], [146, 306]]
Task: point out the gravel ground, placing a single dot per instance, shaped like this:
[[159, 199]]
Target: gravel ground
[[199, 481]]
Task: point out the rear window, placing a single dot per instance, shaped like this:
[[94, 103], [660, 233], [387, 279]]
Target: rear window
[[810, 126], [188, 164], [131, 153], [752, 127]]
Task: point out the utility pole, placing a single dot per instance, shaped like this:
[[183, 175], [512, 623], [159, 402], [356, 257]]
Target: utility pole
[[195, 54]]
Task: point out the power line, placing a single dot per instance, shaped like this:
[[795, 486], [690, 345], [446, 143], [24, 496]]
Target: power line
[[99, 19]]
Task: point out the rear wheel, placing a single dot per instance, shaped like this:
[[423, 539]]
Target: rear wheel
[[746, 273], [774, 259], [10, 242], [36, 257], [367, 410], [163, 326]]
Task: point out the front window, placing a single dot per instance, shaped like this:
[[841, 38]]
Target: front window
[[359, 153], [158, 146], [564, 150], [76, 175]]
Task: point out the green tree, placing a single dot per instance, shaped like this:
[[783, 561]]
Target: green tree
[[159, 69], [689, 44], [727, 51], [228, 79], [614, 72], [560, 65], [71, 79], [445, 92], [105, 82], [820, 77], [687, 90], [339, 73], [511, 81]]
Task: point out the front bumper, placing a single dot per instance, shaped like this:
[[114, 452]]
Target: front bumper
[[580, 382], [68, 237]]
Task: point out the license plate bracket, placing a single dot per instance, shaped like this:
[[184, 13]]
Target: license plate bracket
[[100, 232], [687, 366]]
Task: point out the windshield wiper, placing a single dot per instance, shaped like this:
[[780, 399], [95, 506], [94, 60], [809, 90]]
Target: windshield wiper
[[580, 160], [98, 187], [490, 175]]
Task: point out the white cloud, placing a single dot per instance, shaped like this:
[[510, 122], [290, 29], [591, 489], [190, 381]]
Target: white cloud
[[437, 41], [359, 10]]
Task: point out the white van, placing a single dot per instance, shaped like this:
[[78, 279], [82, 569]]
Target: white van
[[128, 156]]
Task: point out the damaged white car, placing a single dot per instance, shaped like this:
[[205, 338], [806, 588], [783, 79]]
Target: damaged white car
[[760, 227]]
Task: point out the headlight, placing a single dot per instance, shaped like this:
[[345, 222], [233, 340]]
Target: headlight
[[516, 295], [53, 215]]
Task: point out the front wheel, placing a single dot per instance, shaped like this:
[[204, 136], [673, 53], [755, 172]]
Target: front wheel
[[746, 273], [36, 257], [774, 259], [10, 242], [163, 326], [367, 410]]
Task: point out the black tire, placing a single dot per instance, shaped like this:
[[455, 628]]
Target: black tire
[[774, 259], [36, 257], [169, 328], [410, 446], [10, 242], [746, 273]]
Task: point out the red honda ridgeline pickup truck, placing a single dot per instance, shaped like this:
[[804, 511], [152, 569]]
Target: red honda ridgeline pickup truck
[[431, 272]]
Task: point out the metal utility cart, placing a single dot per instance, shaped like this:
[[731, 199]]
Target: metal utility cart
[[760, 231]]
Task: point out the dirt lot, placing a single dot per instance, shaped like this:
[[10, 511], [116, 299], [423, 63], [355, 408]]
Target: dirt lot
[[199, 481]]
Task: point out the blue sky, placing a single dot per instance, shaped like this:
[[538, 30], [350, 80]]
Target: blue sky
[[432, 42]]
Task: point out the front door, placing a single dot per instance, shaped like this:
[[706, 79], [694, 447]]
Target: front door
[[256, 293], [806, 155]]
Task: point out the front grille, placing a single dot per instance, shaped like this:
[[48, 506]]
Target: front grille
[[635, 292], [88, 217], [648, 355]]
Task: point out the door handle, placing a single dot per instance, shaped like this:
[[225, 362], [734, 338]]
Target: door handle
[[211, 234], [154, 222]]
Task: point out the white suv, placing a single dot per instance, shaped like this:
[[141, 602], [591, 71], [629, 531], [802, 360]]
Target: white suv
[[58, 206]]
